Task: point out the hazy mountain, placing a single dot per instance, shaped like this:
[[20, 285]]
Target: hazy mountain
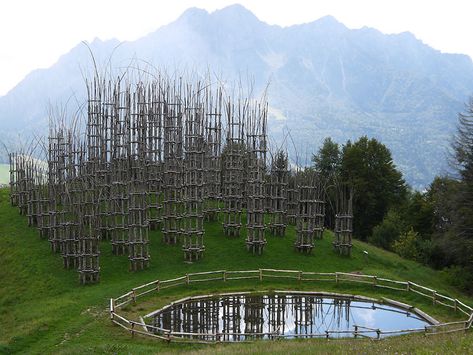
[[325, 80]]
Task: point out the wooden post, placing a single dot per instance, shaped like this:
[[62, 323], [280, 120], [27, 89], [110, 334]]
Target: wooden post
[[112, 308]]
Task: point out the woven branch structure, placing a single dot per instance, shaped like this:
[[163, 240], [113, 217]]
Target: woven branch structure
[[344, 220], [162, 154], [311, 211]]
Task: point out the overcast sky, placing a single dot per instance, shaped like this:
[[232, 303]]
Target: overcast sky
[[33, 34]]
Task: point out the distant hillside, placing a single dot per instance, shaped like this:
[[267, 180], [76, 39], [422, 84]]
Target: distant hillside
[[325, 80]]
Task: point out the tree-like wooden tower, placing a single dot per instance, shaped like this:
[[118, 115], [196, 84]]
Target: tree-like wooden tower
[[343, 220], [278, 194], [212, 157], [292, 198], [193, 183], [256, 146], [138, 253], [154, 158], [120, 170], [311, 211], [149, 155], [172, 173], [233, 170]]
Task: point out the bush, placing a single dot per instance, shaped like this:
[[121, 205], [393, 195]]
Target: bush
[[406, 245], [460, 277], [385, 233]]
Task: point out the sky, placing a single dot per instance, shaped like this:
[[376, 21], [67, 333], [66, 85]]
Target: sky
[[35, 33]]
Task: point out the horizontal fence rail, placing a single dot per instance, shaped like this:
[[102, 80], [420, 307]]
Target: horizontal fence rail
[[142, 328]]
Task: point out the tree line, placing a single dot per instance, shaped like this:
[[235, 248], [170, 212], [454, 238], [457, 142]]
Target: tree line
[[435, 226]]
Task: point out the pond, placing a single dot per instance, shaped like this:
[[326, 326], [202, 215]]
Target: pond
[[240, 317]]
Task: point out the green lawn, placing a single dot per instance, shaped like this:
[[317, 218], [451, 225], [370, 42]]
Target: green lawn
[[4, 174], [43, 309]]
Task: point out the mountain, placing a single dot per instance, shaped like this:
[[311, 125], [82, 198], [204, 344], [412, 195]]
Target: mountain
[[325, 80]]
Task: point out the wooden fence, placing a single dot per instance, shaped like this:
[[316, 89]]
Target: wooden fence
[[435, 327]]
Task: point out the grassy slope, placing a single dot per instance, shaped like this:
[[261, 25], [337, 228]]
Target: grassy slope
[[4, 174], [43, 309]]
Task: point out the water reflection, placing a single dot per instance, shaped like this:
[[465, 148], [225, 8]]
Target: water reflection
[[244, 317]]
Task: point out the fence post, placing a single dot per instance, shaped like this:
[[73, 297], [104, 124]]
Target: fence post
[[132, 330], [187, 279], [112, 308], [434, 297], [375, 280], [224, 275], [355, 335], [408, 285], [336, 277], [300, 275], [260, 275], [133, 296], [455, 304], [157, 285]]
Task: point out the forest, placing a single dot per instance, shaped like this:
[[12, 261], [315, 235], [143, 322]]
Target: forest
[[435, 226]]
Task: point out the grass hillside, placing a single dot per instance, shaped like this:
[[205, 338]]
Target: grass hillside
[[43, 309]]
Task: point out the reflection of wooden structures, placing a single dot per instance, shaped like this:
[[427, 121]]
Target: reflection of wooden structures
[[276, 314], [231, 318], [343, 220], [254, 316], [331, 309]]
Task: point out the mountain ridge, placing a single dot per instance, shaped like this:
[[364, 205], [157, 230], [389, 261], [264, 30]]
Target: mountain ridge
[[326, 80]]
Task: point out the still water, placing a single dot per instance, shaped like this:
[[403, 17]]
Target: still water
[[244, 317]]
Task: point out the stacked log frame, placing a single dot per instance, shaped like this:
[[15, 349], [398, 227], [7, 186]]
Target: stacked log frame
[[212, 155], [161, 156], [344, 220], [138, 252], [193, 182], [256, 150], [120, 167], [278, 186], [292, 199], [172, 170], [311, 211], [232, 181]]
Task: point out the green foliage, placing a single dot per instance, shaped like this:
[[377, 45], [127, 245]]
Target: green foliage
[[328, 159], [460, 277], [43, 309], [418, 212], [406, 245], [368, 166], [385, 233]]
